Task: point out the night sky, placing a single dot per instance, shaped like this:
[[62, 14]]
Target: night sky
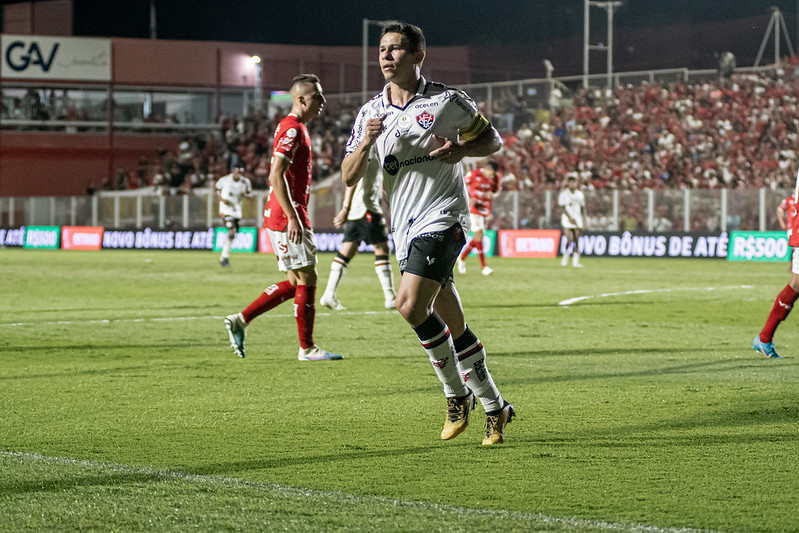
[[339, 23]]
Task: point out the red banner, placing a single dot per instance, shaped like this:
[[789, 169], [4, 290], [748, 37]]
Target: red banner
[[529, 242], [81, 238]]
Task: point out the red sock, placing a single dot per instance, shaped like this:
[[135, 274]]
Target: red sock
[[272, 296], [305, 312], [480, 255], [465, 252], [782, 308]]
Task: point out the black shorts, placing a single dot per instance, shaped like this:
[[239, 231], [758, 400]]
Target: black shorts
[[231, 223], [433, 255], [371, 229]]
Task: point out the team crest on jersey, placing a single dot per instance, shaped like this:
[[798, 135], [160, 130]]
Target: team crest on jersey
[[425, 120], [291, 133]]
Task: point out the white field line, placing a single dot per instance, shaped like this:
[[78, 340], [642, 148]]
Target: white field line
[[343, 497], [567, 303], [179, 318]]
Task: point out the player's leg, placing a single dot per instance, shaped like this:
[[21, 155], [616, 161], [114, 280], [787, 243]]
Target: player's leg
[[385, 274], [567, 232], [302, 268], [477, 240], [274, 295], [471, 359], [232, 226], [415, 298], [337, 270], [764, 342], [575, 248]]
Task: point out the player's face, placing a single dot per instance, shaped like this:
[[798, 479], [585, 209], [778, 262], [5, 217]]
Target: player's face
[[316, 100], [397, 62]]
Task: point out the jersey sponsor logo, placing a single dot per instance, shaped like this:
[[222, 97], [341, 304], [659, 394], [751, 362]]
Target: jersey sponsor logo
[[425, 104], [425, 120], [392, 165], [430, 260]]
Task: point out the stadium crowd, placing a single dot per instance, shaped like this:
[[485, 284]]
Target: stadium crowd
[[736, 132]]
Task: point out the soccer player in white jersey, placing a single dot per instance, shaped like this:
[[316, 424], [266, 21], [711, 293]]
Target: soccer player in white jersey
[[572, 201], [416, 132], [362, 218], [231, 189]]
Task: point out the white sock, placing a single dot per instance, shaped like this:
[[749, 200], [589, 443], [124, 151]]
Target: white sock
[[471, 363], [226, 248], [434, 335], [385, 275], [337, 270]]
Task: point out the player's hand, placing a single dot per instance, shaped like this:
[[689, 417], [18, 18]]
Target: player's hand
[[340, 218], [294, 231], [374, 127], [449, 152]]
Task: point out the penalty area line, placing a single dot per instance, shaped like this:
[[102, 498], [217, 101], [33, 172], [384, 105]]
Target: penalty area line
[[570, 301], [534, 519]]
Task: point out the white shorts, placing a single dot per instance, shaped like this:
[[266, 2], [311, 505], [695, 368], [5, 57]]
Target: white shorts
[[794, 261], [567, 224], [478, 222], [292, 256]]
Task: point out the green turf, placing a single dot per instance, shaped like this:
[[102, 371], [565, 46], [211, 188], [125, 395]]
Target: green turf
[[122, 408]]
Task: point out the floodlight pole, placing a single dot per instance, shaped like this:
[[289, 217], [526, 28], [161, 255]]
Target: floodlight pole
[[775, 23], [365, 55], [587, 47]]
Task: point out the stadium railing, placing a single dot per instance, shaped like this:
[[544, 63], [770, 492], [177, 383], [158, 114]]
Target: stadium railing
[[696, 210]]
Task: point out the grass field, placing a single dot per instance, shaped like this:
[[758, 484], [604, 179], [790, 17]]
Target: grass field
[[641, 405]]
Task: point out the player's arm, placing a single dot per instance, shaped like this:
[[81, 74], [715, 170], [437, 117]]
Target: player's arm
[[781, 217], [480, 139], [342, 215], [353, 167], [280, 187]]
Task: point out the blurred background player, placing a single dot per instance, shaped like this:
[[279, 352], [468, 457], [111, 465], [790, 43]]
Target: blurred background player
[[362, 218], [231, 189], [763, 343], [286, 220], [572, 201], [483, 185], [420, 150]]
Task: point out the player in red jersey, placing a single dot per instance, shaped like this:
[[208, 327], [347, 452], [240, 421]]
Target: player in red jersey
[[788, 219], [286, 220], [483, 185]]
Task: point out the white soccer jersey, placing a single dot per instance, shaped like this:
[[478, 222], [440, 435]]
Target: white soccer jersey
[[425, 195], [573, 204], [367, 195], [233, 190]]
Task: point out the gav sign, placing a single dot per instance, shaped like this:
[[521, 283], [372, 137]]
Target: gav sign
[[57, 58]]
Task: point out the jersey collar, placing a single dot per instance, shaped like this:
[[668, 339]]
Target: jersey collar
[[419, 91]]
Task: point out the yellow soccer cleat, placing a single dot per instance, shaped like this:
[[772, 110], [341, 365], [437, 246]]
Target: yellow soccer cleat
[[458, 411], [495, 425]]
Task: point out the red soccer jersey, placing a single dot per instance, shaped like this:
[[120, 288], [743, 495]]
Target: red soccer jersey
[[293, 142], [481, 190], [788, 206]]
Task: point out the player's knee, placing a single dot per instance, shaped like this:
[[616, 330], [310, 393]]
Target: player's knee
[[410, 309]]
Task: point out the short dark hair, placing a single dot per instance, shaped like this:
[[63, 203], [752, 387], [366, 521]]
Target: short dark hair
[[493, 164], [304, 78], [413, 33]]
